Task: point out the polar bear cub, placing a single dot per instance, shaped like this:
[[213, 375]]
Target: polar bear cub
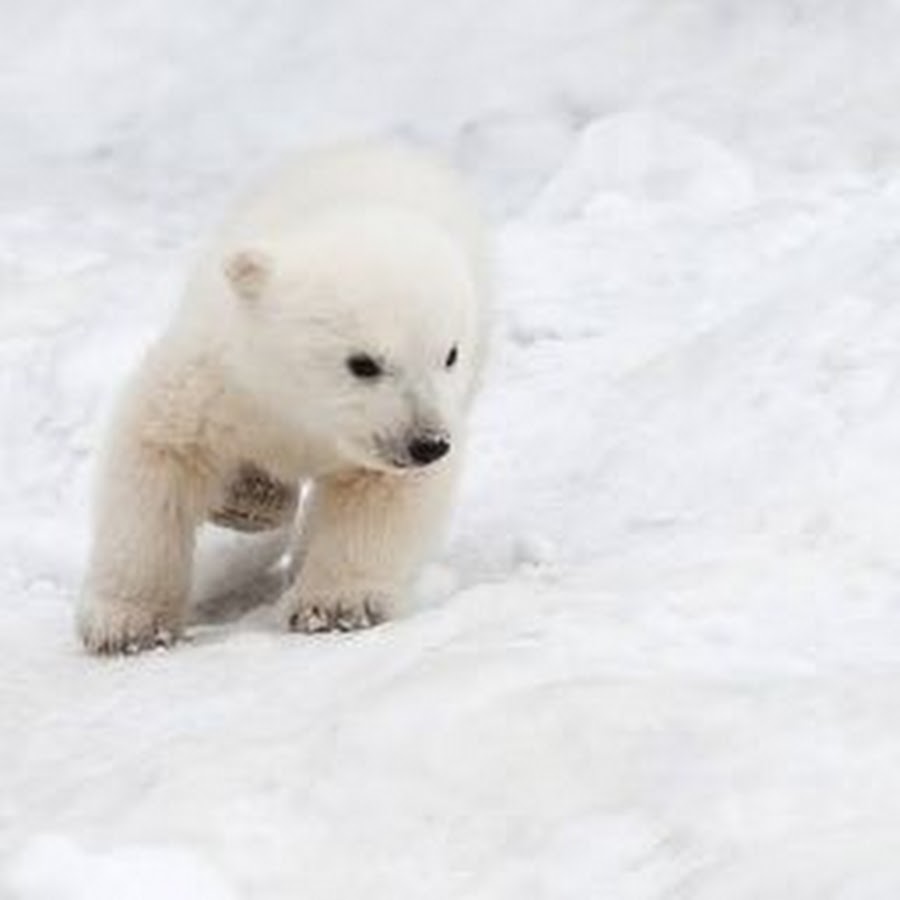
[[333, 333]]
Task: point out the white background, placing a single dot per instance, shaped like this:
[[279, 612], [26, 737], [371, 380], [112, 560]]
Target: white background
[[660, 655]]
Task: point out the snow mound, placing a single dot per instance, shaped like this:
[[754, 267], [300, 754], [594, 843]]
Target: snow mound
[[646, 159]]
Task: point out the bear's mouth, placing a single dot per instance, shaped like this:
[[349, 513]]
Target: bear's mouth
[[390, 458]]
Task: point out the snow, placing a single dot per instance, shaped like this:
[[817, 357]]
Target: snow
[[658, 656], [55, 867]]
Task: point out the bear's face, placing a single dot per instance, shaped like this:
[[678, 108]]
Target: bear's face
[[363, 332]]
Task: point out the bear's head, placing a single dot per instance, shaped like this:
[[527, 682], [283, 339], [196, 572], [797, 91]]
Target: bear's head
[[362, 330]]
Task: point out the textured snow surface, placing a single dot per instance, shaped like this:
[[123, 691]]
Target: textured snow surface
[[660, 654]]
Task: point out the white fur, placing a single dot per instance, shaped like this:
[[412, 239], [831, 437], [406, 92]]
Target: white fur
[[357, 249]]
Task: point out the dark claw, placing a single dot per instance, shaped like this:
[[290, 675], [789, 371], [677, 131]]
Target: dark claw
[[374, 615]]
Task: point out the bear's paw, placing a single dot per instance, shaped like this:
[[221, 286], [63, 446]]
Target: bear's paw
[[339, 610], [111, 628]]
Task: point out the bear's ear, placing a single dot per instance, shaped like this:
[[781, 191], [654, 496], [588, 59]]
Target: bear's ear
[[248, 271]]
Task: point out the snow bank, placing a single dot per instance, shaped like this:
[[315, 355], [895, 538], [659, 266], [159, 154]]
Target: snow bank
[[658, 656]]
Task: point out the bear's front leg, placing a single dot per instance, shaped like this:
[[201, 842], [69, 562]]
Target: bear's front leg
[[366, 536], [139, 572]]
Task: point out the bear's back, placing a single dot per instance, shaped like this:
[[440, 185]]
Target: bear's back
[[356, 175]]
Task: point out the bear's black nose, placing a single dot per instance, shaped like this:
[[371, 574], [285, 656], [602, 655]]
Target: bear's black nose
[[425, 450]]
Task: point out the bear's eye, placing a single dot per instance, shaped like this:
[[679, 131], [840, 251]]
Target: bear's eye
[[450, 361], [363, 366]]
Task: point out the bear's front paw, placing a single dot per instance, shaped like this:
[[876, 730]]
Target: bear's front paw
[[338, 610], [108, 627]]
